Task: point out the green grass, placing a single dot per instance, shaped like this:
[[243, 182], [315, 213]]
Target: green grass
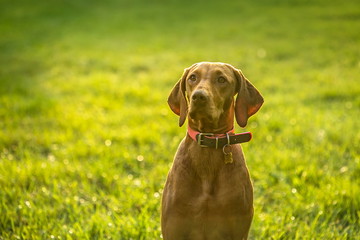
[[87, 138]]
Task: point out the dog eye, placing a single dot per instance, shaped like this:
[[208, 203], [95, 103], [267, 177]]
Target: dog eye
[[192, 78], [221, 80]]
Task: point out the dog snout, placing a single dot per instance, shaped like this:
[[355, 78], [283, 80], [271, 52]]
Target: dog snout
[[199, 97]]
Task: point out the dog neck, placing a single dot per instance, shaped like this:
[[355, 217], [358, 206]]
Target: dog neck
[[224, 124]]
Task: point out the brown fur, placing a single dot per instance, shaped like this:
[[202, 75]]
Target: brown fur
[[204, 198]]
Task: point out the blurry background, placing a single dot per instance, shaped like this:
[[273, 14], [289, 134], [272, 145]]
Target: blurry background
[[87, 138]]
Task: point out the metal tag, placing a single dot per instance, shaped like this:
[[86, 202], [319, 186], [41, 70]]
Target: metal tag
[[228, 153]]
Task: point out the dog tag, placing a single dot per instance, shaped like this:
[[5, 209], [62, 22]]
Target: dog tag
[[228, 154], [228, 157]]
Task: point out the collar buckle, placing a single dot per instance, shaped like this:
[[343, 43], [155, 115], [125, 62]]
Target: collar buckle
[[200, 138]]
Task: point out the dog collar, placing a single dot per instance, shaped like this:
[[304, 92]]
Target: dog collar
[[218, 140]]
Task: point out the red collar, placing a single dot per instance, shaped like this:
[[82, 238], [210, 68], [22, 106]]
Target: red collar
[[193, 134], [218, 140]]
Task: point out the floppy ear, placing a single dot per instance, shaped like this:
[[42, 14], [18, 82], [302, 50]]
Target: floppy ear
[[248, 100], [177, 100]]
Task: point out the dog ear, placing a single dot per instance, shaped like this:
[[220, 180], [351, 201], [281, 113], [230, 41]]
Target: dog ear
[[177, 100], [248, 100]]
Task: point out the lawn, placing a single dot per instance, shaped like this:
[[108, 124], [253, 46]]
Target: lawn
[[87, 138]]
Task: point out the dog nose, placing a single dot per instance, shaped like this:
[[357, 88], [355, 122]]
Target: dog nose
[[199, 96]]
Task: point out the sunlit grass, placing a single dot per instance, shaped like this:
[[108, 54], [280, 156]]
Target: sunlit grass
[[87, 138]]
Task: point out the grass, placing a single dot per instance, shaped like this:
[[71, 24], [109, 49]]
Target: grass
[[87, 138]]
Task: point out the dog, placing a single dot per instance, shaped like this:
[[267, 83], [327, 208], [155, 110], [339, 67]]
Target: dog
[[208, 193]]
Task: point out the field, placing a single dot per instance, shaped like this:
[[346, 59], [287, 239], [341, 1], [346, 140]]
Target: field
[[87, 138]]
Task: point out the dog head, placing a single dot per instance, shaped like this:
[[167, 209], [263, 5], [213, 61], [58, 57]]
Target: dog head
[[205, 93]]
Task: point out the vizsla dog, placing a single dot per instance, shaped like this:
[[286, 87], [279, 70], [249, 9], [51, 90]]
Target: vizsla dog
[[208, 193]]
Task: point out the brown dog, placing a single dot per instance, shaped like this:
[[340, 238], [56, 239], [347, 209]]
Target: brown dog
[[208, 192]]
